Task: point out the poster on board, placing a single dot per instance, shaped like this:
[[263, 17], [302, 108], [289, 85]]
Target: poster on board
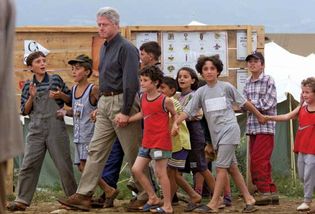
[[241, 44], [181, 49], [143, 37], [241, 77]]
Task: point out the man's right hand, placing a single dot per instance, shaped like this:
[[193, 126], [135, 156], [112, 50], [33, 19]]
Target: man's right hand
[[121, 120]]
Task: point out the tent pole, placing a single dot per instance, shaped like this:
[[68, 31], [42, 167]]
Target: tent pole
[[293, 166]]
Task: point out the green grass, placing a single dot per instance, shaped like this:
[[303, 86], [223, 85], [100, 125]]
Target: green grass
[[289, 187]]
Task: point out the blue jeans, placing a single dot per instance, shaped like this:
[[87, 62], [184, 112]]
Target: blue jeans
[[112, 168]]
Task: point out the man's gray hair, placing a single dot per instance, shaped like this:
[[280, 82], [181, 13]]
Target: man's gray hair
[[109, 13]]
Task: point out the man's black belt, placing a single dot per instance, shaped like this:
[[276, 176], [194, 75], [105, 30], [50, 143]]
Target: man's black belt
[[109, 93]]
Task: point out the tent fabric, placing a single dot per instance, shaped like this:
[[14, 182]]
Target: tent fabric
[[287, 69]]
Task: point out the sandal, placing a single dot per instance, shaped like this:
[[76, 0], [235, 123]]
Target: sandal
[[16, 206], [147, 207], [205, 209], [249, 208], [160, 210], [191, 206]]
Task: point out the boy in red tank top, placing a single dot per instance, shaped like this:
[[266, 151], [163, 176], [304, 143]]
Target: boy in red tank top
[[156, 142]]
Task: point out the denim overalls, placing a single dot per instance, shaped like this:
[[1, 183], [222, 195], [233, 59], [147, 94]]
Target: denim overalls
[[45, 132]]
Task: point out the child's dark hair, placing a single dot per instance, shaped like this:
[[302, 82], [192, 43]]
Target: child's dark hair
[[171, 83], [32, 56], [309, 82], [154, 73], [153, 48], [215, 61], [193, 75]]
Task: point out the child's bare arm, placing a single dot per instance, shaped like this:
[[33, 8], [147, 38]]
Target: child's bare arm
[[93, 115], [69, 112], [135, 117], [94, 95], [66, 98], [59, 94], [284, 117], [169, 105], [179, 119], [250, 107], [29, 103]]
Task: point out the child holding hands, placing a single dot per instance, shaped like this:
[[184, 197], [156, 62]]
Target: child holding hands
[[305, 139], [156, 142], [188, 82], [216, 98], [181, 148]]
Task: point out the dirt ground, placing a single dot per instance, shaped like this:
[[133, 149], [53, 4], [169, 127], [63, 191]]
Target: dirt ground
[[286, 206]]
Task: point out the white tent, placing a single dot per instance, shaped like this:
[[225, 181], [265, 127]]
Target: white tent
[[287, 69], [311, 57], [311, 60], [196, 23]]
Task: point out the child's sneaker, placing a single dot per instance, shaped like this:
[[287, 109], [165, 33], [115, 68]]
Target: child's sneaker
[[275, 198], [263, 199], [227, 200], [303, 207]]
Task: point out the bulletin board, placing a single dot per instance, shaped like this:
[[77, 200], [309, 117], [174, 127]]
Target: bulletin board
[[182, 45]]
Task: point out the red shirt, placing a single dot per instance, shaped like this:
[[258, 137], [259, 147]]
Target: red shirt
[[305, 136], [156, 133]]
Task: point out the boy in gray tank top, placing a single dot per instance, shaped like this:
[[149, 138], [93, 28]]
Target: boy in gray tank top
[[84, 106]]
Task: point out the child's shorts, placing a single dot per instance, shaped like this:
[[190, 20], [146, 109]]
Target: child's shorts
[[154, 154], [80, 152], [196, 161], [178, 159], [226, 155]]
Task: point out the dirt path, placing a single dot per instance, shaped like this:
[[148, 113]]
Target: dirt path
[[286, 206]]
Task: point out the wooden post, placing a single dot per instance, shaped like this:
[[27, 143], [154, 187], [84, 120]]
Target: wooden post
[[251, 187], [292, 159], [9, 178]]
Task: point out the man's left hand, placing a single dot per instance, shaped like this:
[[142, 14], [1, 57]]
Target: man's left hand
[[121, 120]]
